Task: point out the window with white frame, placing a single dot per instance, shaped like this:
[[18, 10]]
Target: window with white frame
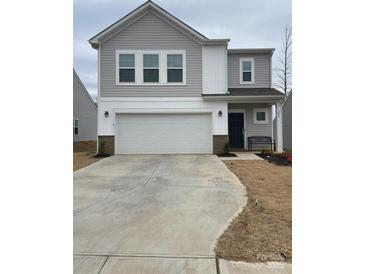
[[247, 71], [174, 68], [260, 115], [127, 72], [76, 126], [151, 68]]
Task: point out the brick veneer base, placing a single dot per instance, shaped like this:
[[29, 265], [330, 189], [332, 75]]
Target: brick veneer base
[[108, 141], [219, 142]]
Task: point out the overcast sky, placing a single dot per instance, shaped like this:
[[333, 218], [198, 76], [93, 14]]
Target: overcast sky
[[248, 23]]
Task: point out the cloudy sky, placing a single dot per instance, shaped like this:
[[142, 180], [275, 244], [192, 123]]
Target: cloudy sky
[[248, 23]]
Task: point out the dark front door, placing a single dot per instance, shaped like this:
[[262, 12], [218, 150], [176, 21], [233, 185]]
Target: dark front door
[[235, 130]]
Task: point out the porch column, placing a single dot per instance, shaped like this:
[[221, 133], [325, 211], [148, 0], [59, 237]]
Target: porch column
[[279, 127]]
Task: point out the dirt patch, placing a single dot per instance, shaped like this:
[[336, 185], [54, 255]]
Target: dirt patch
[[83, 159], [262, 231], [84, 153], [84, 146]]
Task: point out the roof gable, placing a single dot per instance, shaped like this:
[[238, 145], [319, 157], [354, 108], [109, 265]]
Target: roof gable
[[142, 10], [83, 88]]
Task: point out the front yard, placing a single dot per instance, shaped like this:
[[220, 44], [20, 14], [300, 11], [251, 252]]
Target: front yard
[[262, 231], [84, 153]]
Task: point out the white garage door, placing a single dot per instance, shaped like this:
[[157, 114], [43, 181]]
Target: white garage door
[[163, 133]]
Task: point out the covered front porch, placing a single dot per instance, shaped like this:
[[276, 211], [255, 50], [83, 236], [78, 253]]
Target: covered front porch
[[250, 118]]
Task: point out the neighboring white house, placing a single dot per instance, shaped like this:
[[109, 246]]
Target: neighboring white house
[[84, 112], [165, 88]]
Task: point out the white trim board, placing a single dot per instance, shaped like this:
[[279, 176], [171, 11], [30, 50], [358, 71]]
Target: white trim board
[[151, 99]]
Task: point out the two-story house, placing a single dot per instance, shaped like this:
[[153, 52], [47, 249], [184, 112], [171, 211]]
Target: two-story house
[[165, 88]]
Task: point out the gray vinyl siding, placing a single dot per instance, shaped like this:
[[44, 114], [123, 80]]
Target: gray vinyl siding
[[84, 110], [251, 128], [262, 70], [150, 33]]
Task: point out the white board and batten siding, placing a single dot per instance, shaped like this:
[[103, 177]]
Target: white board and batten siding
[[159, 133], [214, 69]]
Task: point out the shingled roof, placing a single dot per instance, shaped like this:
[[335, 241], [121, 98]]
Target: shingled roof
[[249, 92]]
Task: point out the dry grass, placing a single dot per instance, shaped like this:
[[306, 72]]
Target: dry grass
[[85, 146], [262, 231], [84, 154]]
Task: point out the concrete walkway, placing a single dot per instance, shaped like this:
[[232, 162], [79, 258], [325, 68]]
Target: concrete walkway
[[152, 213]]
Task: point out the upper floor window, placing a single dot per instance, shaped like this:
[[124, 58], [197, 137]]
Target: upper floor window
[[247, 73], [150, 68], [174, 68], [127, 71]]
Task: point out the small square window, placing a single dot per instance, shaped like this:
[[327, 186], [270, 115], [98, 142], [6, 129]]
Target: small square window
[[260, 116]]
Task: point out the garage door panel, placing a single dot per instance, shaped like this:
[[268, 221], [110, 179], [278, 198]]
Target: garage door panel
[[163, 133]]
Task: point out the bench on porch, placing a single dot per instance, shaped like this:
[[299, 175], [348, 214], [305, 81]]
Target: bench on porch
[[260, 140]]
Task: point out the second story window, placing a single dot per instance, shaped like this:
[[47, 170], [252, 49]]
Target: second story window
[[247, 71], [150, 68], [174, 68], [126, 68]]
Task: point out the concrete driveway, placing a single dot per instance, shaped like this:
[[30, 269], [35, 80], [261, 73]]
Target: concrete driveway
[[152, 213]]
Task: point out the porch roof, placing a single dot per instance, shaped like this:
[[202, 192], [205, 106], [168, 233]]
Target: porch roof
[[247, 95]]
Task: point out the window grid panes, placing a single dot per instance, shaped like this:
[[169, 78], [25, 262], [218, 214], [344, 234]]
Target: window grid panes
[[76, 126], [260, 116], [174, 68], [150, 60], [126, 68], [150, 68], [246, 71]]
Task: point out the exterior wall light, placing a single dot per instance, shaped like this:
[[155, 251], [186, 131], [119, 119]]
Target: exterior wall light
[[106, 113], [220, 113]]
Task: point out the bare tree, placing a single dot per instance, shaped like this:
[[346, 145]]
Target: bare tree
[[284, 71]]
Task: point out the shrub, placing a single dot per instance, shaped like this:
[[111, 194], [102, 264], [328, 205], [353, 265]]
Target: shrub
[[102, 150], [266, 151], [226, 148]]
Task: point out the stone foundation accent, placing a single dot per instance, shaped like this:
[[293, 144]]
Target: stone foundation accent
[[219, 141], [108, 142]]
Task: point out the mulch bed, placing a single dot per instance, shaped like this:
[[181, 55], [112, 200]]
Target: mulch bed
[[262, 231], [281, 161], [226, 155]]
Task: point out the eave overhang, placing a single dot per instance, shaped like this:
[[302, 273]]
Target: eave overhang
[[244, 98]]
